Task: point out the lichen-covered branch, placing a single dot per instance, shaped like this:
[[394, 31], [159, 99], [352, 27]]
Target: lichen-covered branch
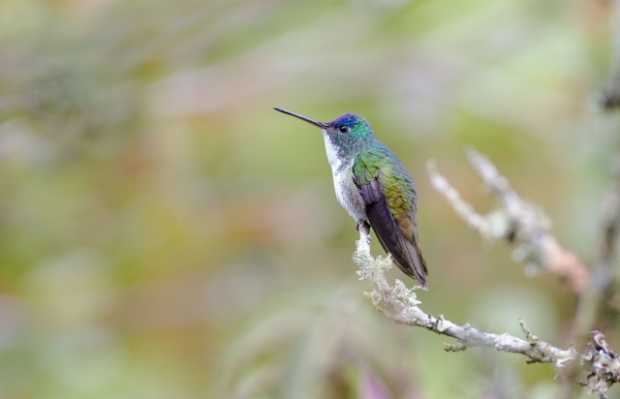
[[515, 221], [401, 304], [603, 365]]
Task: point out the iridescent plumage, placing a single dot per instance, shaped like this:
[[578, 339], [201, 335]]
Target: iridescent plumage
[[374, 187]]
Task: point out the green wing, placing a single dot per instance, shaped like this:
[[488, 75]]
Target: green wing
[[389, 196]]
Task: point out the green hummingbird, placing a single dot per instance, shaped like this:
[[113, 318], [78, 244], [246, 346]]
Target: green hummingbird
[[374, 187]]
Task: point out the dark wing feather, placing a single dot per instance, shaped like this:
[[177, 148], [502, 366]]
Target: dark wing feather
[[405, 253]]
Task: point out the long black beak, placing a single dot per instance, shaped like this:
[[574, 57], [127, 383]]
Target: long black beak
[[322, 125]]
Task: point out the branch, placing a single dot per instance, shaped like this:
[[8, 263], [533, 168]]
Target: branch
[[528, 230], [599, 290], [516, 221], [400, 304], [603, 363], [597, 294]]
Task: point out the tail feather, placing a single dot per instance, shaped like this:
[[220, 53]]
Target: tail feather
[[405, 252], [415, 260]]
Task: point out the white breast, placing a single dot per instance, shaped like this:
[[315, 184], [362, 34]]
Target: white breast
[[346, 191]]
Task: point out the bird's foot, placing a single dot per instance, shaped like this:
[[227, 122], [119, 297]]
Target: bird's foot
[[364, 229]]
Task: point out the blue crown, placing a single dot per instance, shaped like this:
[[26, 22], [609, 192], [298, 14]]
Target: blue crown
[[347, 119]]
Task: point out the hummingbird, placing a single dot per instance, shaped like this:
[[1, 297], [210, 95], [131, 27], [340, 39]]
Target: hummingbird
[[374, 187]]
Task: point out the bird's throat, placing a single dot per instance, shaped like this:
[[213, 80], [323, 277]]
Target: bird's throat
[[333, 157]]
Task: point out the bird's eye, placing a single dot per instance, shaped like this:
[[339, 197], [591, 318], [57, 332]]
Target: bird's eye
[[343, 129]]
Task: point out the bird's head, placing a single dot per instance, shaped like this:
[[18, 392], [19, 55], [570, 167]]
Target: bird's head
[[347, 132], [350, 125]]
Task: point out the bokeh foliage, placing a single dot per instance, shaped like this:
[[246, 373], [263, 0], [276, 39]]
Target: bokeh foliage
[[163, 233]]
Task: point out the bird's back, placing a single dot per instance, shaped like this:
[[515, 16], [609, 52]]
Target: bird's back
[[398, 186]]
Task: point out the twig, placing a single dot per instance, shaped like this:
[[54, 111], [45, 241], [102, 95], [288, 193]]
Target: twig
[[599, 289], [602, 283], [516, 221], [603, 364]]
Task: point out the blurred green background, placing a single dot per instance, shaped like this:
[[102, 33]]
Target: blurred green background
[[165, 234]]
